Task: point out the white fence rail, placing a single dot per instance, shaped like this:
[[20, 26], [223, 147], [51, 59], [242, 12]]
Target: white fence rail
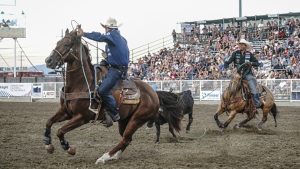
[[282, 89]]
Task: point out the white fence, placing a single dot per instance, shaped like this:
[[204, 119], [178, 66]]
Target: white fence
[[282, 89]]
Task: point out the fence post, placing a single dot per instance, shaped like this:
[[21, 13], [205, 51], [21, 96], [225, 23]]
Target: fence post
[[180, 85], [291, 88], [221, 92], [55, 89], [200, 86]]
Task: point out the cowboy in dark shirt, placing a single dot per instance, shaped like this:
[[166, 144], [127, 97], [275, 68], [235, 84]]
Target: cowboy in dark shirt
[[117, 57], [240, 57]]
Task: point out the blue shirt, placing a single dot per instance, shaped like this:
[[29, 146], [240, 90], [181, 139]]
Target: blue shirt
[[116, 46]]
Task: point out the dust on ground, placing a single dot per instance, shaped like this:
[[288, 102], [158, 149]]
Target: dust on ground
[[22, 126]]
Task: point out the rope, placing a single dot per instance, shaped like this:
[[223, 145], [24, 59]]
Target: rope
[[93, 45], [83, 39], [82, 66], [26, 56], [204, 133]]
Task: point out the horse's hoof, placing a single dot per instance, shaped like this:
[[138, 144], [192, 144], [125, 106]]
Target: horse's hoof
[[106, 157], [49, 148], [103, 159], [259, 128], [236, 126], [117, 155], [221, 126], [72, 150]]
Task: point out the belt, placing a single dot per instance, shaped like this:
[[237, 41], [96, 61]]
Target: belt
[[119, 67]]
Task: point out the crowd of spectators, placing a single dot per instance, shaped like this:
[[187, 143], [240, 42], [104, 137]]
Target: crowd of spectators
[[200, 54]]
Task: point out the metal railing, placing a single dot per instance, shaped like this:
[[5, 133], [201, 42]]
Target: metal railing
[[151, 47], [282, 89]]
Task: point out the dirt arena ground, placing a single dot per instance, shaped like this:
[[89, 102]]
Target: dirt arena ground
[[22, 127]]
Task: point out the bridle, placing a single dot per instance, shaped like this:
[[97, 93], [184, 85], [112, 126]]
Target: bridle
[[64, 55]]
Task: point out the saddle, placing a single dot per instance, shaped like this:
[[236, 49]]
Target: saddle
[[129, 93], [246, 93], [260, 88]]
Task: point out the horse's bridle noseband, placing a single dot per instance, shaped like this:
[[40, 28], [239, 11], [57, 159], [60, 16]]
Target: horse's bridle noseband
[[62, 56]]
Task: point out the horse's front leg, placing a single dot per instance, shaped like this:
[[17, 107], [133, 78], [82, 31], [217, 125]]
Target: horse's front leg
[[75, 122], [216, 117], [242, 123], [232, 114], [59, 116], [116, 152]]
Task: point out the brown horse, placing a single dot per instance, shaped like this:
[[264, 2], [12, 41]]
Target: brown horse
[[237, 98], [75, 100]]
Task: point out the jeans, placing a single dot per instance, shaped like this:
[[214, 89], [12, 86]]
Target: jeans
[[104, 90], [252, 85]]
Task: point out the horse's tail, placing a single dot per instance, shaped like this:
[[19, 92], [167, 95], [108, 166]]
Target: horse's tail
[[275, 113]]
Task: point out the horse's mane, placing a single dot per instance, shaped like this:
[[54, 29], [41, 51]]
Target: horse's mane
[[235, 84], [87, 51]]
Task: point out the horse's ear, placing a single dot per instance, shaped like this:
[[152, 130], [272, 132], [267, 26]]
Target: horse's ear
[[67, 32]]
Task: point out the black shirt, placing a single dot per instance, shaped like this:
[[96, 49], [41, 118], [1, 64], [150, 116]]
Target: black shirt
[[238, 58]]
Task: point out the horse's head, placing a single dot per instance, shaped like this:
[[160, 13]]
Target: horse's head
[[235, 84], [63, 52]]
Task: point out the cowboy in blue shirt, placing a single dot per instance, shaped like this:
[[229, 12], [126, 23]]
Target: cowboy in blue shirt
[[117, 57]]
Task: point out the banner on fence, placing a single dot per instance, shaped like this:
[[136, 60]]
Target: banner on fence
[[15, 89], [210, 95], [37, 89], [49, 94]]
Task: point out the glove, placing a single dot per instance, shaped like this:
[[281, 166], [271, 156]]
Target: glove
[[79, 31], [248, 64], [104, 55]]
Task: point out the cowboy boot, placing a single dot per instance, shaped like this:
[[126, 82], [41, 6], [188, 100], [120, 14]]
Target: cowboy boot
[[262, 101], [256, 99], [108, 120]]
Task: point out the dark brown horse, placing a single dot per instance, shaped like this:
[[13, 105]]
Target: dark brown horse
[[75, 102], [237, 98]]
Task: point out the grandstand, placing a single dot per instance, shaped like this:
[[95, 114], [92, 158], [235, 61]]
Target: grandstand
[[201, 47], [194, 58]]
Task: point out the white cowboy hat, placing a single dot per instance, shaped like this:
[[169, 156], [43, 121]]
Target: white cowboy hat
[[111, 23], [243, 41]]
